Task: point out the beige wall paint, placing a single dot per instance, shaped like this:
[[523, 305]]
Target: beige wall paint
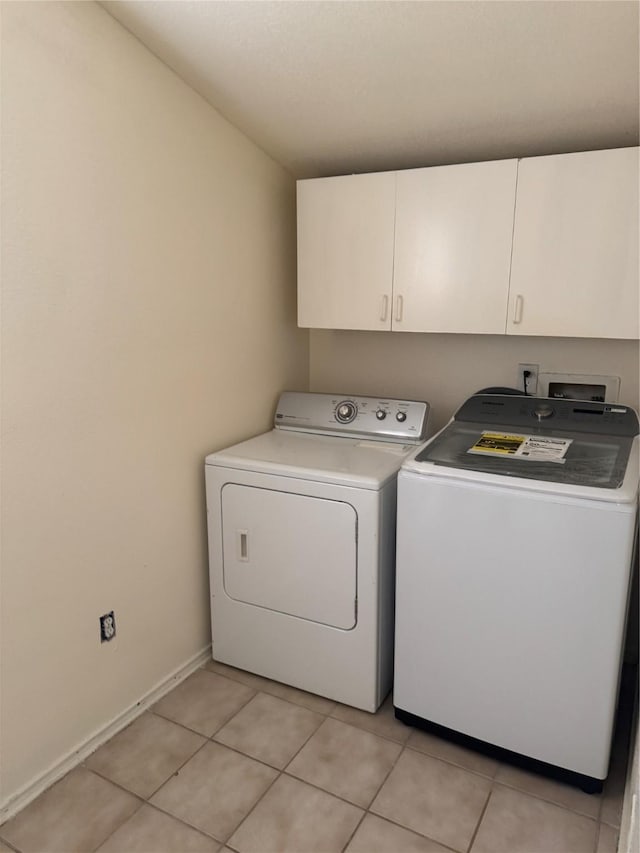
[[446, 369], [148, 272]]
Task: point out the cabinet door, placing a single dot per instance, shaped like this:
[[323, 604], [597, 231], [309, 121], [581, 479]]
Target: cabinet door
[[454, 226], [575, 249], [345, 251]]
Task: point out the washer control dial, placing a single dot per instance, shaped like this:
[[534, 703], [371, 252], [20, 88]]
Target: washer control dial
[[544, 410], [381, 414], [346, 411], [401, 416]]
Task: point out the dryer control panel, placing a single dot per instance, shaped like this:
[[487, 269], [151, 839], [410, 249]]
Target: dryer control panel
[[375, 418]]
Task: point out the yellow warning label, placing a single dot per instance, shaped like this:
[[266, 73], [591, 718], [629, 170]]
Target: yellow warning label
[[499, 443], [530, 448]]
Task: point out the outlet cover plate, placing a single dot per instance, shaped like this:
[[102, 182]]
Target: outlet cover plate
[[107, 627]]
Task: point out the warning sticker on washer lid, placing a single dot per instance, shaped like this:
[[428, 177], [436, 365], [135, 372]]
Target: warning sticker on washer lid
[[533, 448]]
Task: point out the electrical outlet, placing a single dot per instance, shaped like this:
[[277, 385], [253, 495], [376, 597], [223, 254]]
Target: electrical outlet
[[107, 627], [528, 384]]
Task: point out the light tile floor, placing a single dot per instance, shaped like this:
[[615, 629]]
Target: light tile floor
[[229, 761]]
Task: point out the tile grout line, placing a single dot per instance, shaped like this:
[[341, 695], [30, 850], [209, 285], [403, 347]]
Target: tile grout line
[[260, 760], [480, 819], [147, 800], [159, 808], [141, 803], [261, 689], [547, 800], [135, 812], [367, 811], [398, 741], [180, 820], [355, 829], [298, 751], [513, 787], [226, 720], [253, 807], [177, 771], [413, 831], [596, 840], [283, 771], [323, 790], [369, 731], [452, 763], [495, 783], [328, 714], [210, 740], [280, 770], [404, 746]]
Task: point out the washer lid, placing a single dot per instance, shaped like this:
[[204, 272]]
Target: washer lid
[[345, 461], [583, 464]]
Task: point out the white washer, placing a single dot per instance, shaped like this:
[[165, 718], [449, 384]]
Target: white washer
[[513, 576], [301, 524]]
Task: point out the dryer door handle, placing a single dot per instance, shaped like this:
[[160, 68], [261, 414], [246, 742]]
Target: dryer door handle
[[242, 546]]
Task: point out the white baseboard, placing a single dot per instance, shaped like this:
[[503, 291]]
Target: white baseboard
[[76, 756]]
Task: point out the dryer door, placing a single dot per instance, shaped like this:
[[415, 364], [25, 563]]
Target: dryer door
[[290, 553]]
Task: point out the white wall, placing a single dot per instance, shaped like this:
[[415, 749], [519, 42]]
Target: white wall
[[446, 369], [148, 262]]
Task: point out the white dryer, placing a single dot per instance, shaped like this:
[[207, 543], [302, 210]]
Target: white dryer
[[301, 525]]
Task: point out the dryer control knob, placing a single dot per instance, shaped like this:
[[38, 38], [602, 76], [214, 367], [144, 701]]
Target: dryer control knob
[[381, 414], [401, 416], [346, 412]]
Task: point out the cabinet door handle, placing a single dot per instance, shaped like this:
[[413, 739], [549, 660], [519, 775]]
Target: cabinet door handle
[[517, 311], [242, 545], [399, 307], [385, 308]]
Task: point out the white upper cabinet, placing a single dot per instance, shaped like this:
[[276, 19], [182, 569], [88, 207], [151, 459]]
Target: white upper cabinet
[[574, 269], [440, 250], [453, 235], [345, 251]]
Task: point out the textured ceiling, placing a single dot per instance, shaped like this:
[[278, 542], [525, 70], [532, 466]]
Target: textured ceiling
[[337, 87]]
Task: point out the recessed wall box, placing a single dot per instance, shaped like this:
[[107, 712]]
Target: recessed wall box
[[579, 386]]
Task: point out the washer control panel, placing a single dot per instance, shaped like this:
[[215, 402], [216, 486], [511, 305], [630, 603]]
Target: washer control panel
[[550, 414], [370, 417]]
